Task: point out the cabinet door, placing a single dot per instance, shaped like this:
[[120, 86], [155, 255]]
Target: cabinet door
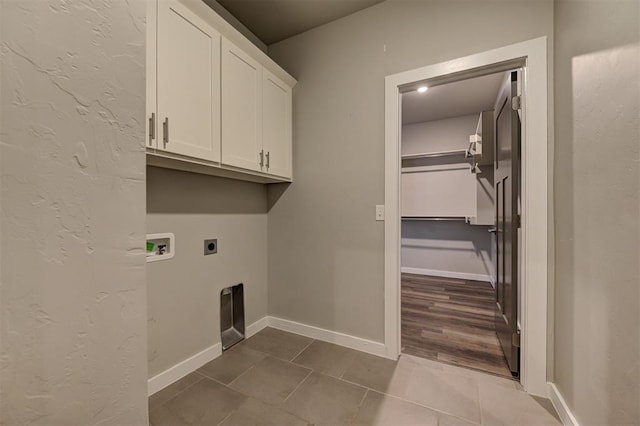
[[188, 83], [276, 125], [241, 108], [151, 129]]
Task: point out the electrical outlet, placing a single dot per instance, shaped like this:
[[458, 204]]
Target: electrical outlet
[[379, 212], [210, 246]]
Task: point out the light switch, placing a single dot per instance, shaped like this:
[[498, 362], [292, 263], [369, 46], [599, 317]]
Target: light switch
[[379, 212]]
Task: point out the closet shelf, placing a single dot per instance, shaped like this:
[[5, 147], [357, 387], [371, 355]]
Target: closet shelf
[[461, 152], [431, 169], [443, 218]]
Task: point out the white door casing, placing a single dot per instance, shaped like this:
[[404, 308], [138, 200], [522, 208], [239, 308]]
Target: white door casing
[[534, 262]]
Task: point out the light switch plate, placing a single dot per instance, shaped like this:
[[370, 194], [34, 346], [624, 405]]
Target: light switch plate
[[379, 212]]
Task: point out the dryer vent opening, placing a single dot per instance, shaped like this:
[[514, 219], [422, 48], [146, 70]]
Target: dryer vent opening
[[231, 315]]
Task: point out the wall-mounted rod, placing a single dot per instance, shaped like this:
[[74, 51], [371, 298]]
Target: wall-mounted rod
[[462, 152], [443, 218], [427, 169]]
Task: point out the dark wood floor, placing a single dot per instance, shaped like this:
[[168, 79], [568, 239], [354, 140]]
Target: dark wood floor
[[452, 321]]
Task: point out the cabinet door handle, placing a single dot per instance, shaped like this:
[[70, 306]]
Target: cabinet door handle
[[261, 158], [165, 130], [152, 128], [268, 159]]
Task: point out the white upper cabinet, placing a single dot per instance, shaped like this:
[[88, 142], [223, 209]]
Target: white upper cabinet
[[241, 109], [188, 83], [276, 125], [216, 103]]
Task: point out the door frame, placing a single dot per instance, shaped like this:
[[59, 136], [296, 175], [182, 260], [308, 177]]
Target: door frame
[[534, 263]]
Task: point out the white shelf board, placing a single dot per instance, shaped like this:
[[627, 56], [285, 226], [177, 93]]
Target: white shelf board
[[434, 154]]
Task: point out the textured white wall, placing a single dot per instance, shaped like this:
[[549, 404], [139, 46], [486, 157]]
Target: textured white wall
[[597, 215], [326, 251], [184, 292], [72, 298]]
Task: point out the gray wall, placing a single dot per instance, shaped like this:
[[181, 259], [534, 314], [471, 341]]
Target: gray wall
[[597, 209], [184, 292], [447, 246], [444, 246], [439, 135], [72, 297], [325, 248], [224, 13]]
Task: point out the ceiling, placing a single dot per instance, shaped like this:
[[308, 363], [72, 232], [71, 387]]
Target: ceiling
[[275, 20], [451, 100]]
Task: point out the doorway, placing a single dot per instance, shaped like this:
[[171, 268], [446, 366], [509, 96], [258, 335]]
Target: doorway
[[531, 56], [458, 294]]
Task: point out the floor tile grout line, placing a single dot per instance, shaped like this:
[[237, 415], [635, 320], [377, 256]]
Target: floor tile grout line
[[359, 407], [216, 380], [467, 371], [275, 405], [241, 374], [298, 386], [343, 380], [300, 353], [227, 416], [241, 392], [408, 401], [177, 393], [479, 401], [356, 384], [363, 398], [437, 410]]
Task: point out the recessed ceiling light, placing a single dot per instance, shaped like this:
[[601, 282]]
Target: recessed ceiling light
[[422, 89]]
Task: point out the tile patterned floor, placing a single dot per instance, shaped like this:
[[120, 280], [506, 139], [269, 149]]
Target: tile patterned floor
[[278, 378]]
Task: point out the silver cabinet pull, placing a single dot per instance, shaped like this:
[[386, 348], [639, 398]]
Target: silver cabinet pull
[[165, 130], [261, 158], [492, 230], [152, 128], [268, 158]]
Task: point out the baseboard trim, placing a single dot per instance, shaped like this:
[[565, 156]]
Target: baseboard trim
[[567, 417], [352, 342], [191, 364], [181, 369], [256, 327], [446, 274]]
